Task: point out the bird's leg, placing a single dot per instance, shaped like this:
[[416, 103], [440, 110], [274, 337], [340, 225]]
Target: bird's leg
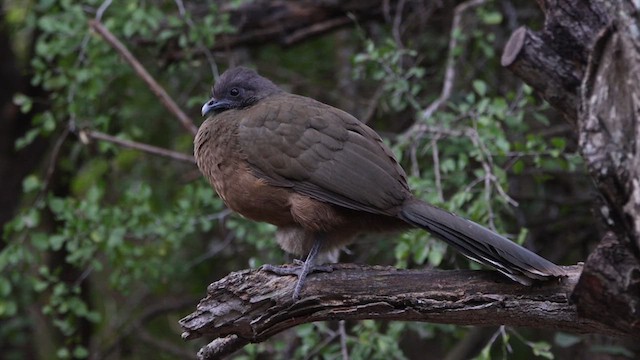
[[302, 269]]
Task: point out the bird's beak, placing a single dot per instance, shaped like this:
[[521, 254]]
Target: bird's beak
[[215, 106]]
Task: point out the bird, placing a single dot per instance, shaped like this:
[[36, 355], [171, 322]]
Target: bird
[[322, 177]]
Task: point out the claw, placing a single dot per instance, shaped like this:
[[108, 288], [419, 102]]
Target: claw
[[301, 269]]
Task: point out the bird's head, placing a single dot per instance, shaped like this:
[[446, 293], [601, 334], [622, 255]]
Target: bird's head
[[238, 88]]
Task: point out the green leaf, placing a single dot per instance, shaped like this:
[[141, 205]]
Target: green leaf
[[518, 167], [31, 183], [30, 219], [40, 241], [5, 287], [420, 253], [492, 18], [480, 87], [436, 253], [24, 102], [566, 340], [57, 205], [542, 349], [56, 242], [39, 285], [27, 139], [63, 353], [522, 236], [559, 143], [8, 308], [80, 352]]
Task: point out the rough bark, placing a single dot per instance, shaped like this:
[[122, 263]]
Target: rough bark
[[553, 60], [610, 122], [253, 305], [598, 42], [609, 288], [609, 129], [554, 77]]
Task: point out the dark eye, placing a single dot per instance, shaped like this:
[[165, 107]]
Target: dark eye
[[234, 92]]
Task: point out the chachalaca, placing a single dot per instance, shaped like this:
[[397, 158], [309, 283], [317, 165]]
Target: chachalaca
[[322, 177]]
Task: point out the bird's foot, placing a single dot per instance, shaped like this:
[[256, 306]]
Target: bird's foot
[[301, 269]]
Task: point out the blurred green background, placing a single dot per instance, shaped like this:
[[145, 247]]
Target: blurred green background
[[106, 247]]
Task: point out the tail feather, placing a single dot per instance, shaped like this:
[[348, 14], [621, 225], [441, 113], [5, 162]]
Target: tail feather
[[480, 244]]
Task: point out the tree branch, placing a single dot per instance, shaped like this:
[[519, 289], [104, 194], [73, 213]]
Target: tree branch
[[553, 60], [611, 276], [158, 90], [255, 305], [450, 70], [555, 78], [283, 22], [87, 135]]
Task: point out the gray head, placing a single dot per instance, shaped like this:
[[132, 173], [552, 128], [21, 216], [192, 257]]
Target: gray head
[[238, 88]]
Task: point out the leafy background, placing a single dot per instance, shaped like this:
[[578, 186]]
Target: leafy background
[[106, 247]]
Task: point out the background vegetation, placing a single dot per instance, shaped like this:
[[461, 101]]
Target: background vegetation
[[105, 246]]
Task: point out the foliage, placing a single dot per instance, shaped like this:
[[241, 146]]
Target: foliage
[[113, 230]]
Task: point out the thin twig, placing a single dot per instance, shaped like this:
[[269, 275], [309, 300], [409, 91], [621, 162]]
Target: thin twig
[[495, 336], [342, 329], [103, 7], [162, 346], [488, 174], [436, 167], [200, 45], [413, 154], [71, 122], [331, 335], [470, 346], [133, 324], [418, 129], [315, 29], [450, 71], [504, 336], [472, 184], [397, 22], [221, 347], [158, 90], [478, 143], [373, 105], [213, 250], [55, 153], [86, 135]]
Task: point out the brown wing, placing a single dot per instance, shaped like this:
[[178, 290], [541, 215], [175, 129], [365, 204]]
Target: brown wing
[[323, 152]]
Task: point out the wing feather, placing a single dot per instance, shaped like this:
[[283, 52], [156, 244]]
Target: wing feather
[[323, 152]]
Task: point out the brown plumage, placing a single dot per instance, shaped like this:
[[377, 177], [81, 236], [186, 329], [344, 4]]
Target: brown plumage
[[322, 177]]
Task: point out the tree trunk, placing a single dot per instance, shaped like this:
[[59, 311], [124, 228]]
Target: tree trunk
[[596, 42]]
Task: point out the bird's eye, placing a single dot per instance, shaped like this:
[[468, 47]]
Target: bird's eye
[[234, 92]]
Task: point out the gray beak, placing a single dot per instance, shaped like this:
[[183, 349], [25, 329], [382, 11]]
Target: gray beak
[[215, 106]]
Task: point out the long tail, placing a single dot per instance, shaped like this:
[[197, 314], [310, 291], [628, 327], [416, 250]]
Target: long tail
[[480, 244]]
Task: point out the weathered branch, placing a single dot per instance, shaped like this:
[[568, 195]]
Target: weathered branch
[[255, 305], [553, 60], [87, 135], [611, 278], [158, 90], [555, 78]]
